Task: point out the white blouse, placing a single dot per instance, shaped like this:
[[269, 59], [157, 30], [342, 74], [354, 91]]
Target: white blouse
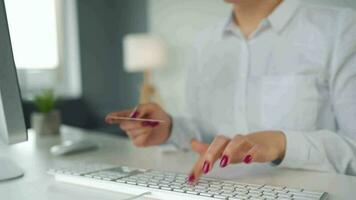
[[296, 73]]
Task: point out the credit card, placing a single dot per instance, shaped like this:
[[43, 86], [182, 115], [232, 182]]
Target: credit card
[[137, 119]]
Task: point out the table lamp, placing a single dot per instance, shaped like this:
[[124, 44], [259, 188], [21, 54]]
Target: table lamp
[[142, 53]]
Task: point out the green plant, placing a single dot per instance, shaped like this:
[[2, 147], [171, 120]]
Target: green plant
[[45, 102]]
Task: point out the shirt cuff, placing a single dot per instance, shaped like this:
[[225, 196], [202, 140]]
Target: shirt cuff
[[296, 154], [183, 131]]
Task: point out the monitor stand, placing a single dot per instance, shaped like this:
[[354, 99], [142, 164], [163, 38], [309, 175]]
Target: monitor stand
[[9, 170]]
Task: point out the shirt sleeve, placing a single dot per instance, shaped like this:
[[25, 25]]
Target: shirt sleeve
[[326, 150], [190, 125]]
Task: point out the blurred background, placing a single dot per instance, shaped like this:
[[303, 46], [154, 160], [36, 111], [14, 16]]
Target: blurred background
[[75, 48]]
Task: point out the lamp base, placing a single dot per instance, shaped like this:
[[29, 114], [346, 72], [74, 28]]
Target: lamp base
[[147, 89], [147, 93]]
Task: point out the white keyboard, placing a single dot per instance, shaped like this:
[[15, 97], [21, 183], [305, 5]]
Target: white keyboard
[[173, 186]]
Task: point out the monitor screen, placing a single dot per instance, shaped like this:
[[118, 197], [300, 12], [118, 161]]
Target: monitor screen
[[12, 123]]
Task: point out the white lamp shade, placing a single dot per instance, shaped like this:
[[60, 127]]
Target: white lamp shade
[[143, 52]]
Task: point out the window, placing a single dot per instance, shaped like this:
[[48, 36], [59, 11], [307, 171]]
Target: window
[[44, 37], [33, 30]]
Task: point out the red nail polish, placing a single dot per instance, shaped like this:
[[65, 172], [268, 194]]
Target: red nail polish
[[154, 124], [206, 167], [223, 161], [191, 179], [248, 159], [135, 114]]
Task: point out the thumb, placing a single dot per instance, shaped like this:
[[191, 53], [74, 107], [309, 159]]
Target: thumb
[[198, 146], [144, 110]]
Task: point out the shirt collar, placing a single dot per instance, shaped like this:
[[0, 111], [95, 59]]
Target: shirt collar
[[283, 14], [229, 24], [278, 19]]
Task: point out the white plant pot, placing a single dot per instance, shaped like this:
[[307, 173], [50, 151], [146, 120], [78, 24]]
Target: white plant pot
[[46, 123]]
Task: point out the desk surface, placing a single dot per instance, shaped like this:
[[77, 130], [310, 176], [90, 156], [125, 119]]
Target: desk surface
[[34, 157]]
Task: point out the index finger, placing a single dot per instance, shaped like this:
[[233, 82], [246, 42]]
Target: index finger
[[207, 160], [109, 117]]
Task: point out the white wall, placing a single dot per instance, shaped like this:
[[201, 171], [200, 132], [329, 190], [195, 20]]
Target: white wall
[[178, 23]]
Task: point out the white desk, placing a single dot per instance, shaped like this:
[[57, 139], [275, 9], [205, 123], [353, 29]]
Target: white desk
[[34, 157]]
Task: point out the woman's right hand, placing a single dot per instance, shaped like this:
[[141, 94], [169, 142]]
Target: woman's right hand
[[143, 134]]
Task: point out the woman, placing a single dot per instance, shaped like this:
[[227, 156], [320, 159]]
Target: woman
[[275, 83]]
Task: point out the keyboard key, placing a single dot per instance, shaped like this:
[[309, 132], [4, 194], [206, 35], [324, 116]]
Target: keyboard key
[[205, 194], [192, 192], [179, 190], [304, 194], [305, 198], [200, 187], [312, 193], [216, 196], [241, 190], [166, 188], [200, 190], [255, 194], [294, 190], [175, 187], [228, 194], [120, 181], [153, 186], [213, 192], [215, 186], [269, 192], [269, 197], [242, 196]]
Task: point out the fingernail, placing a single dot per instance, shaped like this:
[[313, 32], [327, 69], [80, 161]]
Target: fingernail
[[153, 124], [248, 159], [223, 161], [191, 179], [135, 114], [146, 123], [206, 167]]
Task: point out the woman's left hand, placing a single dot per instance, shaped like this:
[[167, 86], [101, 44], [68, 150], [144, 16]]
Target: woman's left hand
[[265, 146]]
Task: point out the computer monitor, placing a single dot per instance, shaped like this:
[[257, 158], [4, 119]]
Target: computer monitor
[[12, 123]]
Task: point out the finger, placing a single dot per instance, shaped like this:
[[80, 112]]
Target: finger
[[145, 110], [150, 124], [132, 134], [199, 147], [194, 173], [206, 161], [235, 151], [134, 113], [138, 132], [110, 118], [129, 125], [213, 153], [131, 113], [202, 165], [141, 140], [252, 155]]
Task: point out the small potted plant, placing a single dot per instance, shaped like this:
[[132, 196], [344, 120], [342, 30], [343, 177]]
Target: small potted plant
[[47, 120]]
